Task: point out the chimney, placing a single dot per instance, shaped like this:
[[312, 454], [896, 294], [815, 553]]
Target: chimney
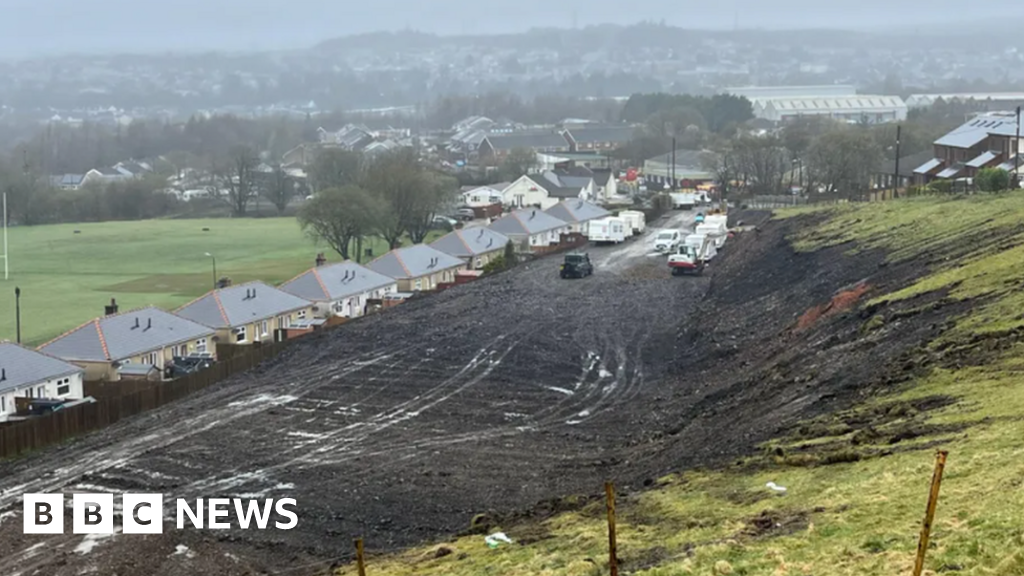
[[253, 292], [149, 324], [3, 374], [481, 235], [136, 323], [111, 309], [532, 214]]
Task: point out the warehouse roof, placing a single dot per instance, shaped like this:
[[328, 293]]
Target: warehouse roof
[[837, 104]]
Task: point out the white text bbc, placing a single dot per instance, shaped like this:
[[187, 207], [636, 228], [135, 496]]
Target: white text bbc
[[143, 513]]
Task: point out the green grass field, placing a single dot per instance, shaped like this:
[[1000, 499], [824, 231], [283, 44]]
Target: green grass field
[[67, 278]]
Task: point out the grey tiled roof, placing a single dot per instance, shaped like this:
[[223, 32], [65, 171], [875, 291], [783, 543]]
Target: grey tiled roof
[[471, 242], [577, 211], [336, 281], [21, 366], [231, 307], [527, 221], [530, 140], [614, 134], [124, 335], [414, 262]]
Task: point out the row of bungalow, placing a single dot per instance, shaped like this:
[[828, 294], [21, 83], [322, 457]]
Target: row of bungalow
[[154, 344]]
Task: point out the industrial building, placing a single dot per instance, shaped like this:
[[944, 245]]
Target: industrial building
[[840, 102]]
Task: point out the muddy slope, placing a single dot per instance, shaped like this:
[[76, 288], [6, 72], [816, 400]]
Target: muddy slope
[[489, 397]]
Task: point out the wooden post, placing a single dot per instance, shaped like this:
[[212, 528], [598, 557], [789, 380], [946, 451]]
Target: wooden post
[[929, 515], [613, 560], [360, 563]]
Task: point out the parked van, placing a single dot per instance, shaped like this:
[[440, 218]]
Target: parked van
[[667, 241], [717, 232]]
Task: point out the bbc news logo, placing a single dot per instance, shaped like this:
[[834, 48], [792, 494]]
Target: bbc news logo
[[144, 513]]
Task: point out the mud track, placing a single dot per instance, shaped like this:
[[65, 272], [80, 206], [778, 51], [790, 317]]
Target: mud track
[[489, 397]]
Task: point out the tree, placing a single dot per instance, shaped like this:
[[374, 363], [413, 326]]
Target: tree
[[436, 191], [397, 178], [842, 161], [992, 180], [334, 168], [238, 175], [762, 163], [722, 163], [510, 254], [518, 163], [675, 122], [340, 216], [279, 188]]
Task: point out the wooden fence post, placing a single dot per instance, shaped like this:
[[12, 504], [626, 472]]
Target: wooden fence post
[[929, 515], [613, 559], [360, 562]]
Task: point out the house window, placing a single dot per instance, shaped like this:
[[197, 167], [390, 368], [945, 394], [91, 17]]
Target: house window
[[3, 404], [64, 387], [41, 392], [201, 345], [149, 359], [302, 315], [240, 334], [265, 328], [478, 263], [418, 285]]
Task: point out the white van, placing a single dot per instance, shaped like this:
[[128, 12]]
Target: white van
[[667, 241]]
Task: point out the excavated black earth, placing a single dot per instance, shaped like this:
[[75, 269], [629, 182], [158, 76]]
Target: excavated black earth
[[488, 397]]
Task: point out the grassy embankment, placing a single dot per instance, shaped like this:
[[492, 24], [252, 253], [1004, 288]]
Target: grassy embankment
[[857, 518], [67, 278]]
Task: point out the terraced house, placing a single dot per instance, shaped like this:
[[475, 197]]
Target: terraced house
[[26, 373], [344, 289], [138, 343], [248, 313], [418, 268]]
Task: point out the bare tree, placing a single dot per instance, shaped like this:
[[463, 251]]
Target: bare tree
[[762, 162], [334, 168], [340, 216], [397, 178], [722, 163], [842, 161], [436, 191], [238, 177], [279, 187]]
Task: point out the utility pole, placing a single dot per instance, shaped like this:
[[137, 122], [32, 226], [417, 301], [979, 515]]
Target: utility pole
[[6, 267], [1016, 154], [896, 173], [673, 164], [17, 311]]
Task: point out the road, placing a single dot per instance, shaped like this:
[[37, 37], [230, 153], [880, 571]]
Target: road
[[399, 427]]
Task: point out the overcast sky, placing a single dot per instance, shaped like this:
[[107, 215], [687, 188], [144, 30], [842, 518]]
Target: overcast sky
[[38, 27]]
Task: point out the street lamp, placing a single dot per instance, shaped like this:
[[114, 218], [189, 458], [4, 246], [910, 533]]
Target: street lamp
[[17, 311], [214, 269]]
